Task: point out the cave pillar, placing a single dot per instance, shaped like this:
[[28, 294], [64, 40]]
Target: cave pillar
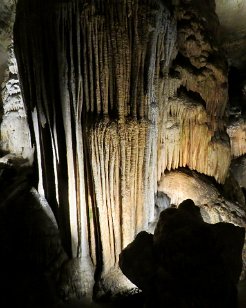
[[90, 73]]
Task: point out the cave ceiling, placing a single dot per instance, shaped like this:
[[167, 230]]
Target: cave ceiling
[[232, 16], [231, 13]]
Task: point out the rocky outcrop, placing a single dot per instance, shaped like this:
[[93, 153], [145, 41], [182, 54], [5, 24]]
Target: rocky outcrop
[[187, 262], [181, 185], [192, 132], [236, 130], [14, 129], [32, 255], [238, 169]]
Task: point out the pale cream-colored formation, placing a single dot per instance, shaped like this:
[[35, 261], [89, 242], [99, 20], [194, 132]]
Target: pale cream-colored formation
[[14, 131], [189, 141], [237, 133], [125, 59], [194, 96]]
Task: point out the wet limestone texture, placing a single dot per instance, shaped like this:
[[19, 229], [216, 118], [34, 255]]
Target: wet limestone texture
[[187, 262], [14, 129], [117, 92], [92, 92]]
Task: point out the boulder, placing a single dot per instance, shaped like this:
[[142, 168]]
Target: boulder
[[187, 262]]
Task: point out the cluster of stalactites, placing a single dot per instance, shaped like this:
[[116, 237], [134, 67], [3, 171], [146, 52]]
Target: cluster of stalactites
[[237, 132], [194, 95], [187, 140], [123, 57]]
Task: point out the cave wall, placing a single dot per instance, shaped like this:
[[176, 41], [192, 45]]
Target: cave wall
[[117, 92], [15, 134]]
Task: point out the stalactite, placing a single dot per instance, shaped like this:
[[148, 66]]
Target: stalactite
[[205, 70], [123, 125], [188, 140], [117, 162], [237, 133], [194, 95], [211, 84], [54, 91]]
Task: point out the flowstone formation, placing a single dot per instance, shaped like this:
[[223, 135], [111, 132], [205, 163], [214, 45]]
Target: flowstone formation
[[92, 94], [116, 93], [187, 262]]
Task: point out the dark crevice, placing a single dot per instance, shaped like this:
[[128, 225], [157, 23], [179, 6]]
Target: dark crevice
[[237, 91], [184, 62], [195, 96]]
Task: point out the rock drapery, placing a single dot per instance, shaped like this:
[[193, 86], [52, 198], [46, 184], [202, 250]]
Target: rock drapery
[[193, 131], [236, 132], [93, 83], [116, 93]]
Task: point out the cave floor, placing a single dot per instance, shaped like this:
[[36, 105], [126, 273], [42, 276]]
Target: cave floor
[[242, 294], [138, 303]]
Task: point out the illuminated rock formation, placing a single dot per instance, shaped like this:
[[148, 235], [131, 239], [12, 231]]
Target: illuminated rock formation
[[116, 93], [192, 132], [95, 115], [237, 133], [189, 141], [15, 134]]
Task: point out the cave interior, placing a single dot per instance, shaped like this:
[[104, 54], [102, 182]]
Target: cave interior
[[113, 113]]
